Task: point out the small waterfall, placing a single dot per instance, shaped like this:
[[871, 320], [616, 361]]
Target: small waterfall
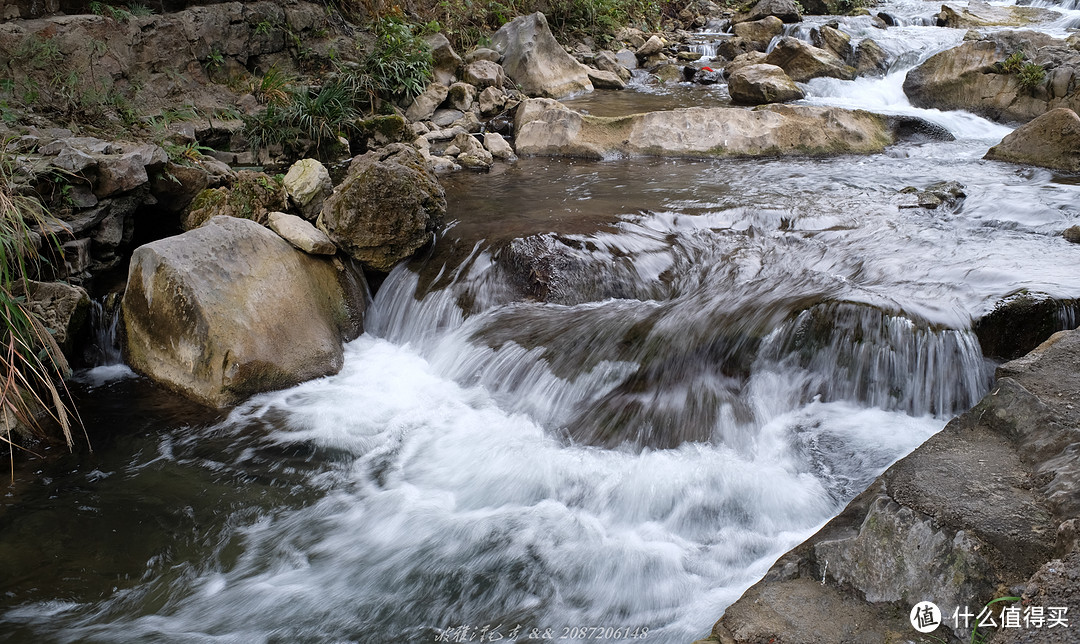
[[706, 49], [103, 348], [858, 353]]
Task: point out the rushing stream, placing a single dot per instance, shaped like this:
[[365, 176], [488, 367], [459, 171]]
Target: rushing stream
[[610, 397]]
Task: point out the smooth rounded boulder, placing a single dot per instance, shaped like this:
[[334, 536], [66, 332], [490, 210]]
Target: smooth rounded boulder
[[231, 309], [1049, 141], [760, 84], [388, 206]]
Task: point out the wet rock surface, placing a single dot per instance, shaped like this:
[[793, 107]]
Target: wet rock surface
[[981, 506]]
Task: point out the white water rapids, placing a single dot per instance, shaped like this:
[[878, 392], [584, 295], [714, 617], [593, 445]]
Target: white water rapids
[[743, 347]]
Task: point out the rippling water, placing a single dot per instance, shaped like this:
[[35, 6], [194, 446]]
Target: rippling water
[[611, 396]]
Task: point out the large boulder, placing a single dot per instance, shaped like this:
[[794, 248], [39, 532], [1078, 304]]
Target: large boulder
[[1050, 141], [388, 206], [549, 128], [1020, 322], [308, 185], [535, 61], [802, 61], [971, 77], [980, 14], [424, 105], [760, 84], [786, 10], [987, 507], [231, 309], [760, 32]]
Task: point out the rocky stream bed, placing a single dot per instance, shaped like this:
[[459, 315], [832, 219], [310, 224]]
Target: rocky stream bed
[[546, 360]]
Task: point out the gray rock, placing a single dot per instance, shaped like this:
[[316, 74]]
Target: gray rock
[[498, 147], [62, 308], [461, 97], [535, 61], [491, 101], [483, 53], [484, 73], [231, 309], [445, 117], [388, 206], [445, 61], [606, 61], [301, 234], [785, 10], [870, 59], [1072, 234], [654, 45], [308, 185], [627, 59], [760, 84], [802, 61], [424, 105], [605, 80]]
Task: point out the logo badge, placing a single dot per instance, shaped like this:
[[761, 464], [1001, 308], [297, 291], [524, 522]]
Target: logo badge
[[925, 617]]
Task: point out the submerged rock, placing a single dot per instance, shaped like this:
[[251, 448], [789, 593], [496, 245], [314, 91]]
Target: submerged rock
[[1023, 321], [552, 129], [1049, 141], [980, 14], [388, 206], [231, 309], [534, 60]]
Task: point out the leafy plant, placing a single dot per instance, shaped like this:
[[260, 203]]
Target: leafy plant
[[273, 87], [31, 364], [400, 65], [139, 10], [1013, 64], [976, 636], [39, 53], [214, 60], [1031, 76], [325, 115]]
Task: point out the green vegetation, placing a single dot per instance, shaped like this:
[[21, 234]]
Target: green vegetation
[[1031, 76], [400, 64], [468, 22], [31, 364], [1011, 65], [397, 69]]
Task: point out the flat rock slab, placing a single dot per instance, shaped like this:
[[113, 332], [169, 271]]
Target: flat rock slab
[[549, 128]]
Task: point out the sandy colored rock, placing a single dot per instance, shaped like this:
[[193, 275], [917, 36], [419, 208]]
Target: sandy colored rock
[[980, 14], [300, 233], [535, 61], [1050, 141], [232, 309], [760, 84], [424, 105], [775, 130], [802, 61]]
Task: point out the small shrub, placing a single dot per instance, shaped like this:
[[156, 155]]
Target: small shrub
[[323, 116], [1031, 76], [273, 87], [400, 65], [1013, 64]]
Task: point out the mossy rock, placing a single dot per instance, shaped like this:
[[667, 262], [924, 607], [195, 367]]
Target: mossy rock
[[252, 196]]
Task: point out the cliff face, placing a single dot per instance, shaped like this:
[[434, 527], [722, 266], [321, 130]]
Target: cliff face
[[986, 508]]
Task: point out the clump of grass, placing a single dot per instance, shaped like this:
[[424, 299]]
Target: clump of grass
[[400, 64], [32, 366], [1013, 64], [1031, 76], [273, 87]]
